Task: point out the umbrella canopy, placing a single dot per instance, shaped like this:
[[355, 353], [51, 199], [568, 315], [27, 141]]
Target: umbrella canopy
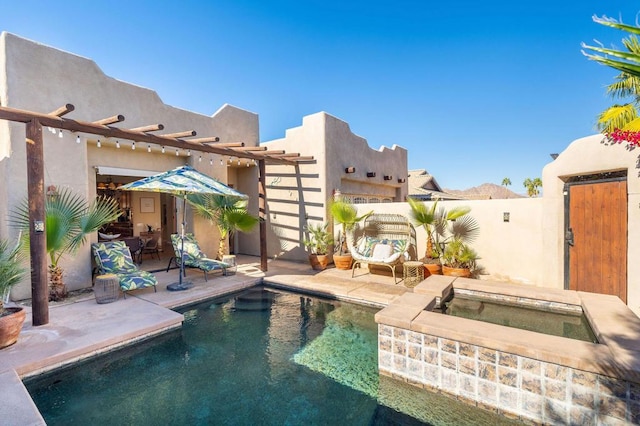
[[182, 182]]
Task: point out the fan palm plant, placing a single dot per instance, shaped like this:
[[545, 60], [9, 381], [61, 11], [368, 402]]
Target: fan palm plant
[[69, 218], [442, 225], [346, 215], [228, 213]]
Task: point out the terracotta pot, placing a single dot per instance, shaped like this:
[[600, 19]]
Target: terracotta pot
[[432, 269], [342, 261], [319, 262], [11, 325], [456, 272]]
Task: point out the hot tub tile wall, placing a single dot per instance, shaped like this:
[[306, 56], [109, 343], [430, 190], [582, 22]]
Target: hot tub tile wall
[[522, 387]]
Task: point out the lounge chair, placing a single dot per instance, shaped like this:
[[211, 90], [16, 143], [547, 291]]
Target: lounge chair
[[386, 240], [114, 257], [194, 257]]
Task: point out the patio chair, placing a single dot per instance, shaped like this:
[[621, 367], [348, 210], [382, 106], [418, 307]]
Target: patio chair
[[194, 257], [386, 240], [151, 246], [114, 257]]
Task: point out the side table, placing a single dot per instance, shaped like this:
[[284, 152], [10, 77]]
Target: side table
[[106, 288], [413, 273], [230, 259]]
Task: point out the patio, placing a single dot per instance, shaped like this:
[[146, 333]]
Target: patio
[[81, 328]]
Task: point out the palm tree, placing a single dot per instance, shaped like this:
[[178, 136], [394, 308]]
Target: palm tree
[[442, 224], [345, 214], [623, 117], [228, 213], [627, 62], [69, 218], [532, 186], [506, 182]]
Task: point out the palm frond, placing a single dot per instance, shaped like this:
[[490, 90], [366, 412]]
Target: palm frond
[[616, 117]]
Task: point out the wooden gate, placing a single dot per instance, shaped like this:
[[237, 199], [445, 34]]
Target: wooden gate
[[596, 237]]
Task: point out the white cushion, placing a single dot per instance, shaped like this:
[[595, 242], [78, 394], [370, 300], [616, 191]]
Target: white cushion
[[381, 251]]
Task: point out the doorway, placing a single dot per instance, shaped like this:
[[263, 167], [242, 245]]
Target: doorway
[[596, 234]]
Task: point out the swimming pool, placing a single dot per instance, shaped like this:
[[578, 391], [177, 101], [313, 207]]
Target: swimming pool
[[258, 357]]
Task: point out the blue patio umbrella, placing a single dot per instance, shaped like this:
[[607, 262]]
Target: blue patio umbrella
[[182, 182]]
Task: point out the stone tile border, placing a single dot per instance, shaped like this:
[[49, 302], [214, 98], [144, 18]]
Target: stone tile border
[[524, 375]]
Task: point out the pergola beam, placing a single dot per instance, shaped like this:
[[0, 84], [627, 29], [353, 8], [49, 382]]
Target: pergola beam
[[149, 128], [226, 145], [64, 109], [106, 131], [209, 139], [178, 135], [110, 120]]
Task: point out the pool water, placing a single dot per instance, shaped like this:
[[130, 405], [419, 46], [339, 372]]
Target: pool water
[[570, 325], [261, 357]]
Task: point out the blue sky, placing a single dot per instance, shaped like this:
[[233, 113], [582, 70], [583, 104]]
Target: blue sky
[[475, 91]]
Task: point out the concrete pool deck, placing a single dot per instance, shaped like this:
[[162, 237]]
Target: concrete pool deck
[[80, 328]]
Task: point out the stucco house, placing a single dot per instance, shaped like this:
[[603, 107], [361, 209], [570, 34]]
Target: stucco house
[[40, 78]]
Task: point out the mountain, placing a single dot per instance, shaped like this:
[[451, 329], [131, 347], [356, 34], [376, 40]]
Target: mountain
[[485, 191]]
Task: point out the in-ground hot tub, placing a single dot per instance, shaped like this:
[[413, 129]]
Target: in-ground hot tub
[[557, 319], [519, 373]]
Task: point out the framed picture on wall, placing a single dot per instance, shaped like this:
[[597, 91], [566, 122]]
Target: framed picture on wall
[[147, 205]]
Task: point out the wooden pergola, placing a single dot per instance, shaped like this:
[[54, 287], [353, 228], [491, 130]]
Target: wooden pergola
[[35, 176]]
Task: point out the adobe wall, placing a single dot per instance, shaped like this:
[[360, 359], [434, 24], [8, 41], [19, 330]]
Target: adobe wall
[[298, 195]]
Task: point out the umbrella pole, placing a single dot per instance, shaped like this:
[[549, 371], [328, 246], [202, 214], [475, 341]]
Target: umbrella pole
[[180, 285]]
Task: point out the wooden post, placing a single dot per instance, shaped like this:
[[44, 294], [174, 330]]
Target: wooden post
[[262, 214], [37, 236]]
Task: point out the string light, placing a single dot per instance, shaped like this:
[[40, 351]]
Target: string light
[[118, 144], [200, 159], [59, 134], [211, 161], [99, 144], [177, 154], [247, 164], [148, 148], [133, 146], [188, 153], [78, 139], [238, 161], [163, 149], [221, 161]]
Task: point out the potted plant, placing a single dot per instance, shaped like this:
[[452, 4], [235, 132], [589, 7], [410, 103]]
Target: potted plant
[[441, 226], [346, 215], [458, 259], [318, 245], [69, 219], [11, 273], [230, 215]]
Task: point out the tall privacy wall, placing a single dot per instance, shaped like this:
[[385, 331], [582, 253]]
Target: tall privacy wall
[[509, 251]]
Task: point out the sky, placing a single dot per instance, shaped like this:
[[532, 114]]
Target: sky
[[475, 91]]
